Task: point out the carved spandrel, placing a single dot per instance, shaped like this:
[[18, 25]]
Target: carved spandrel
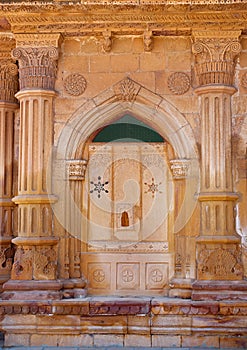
[[215, 59], [37, 66]]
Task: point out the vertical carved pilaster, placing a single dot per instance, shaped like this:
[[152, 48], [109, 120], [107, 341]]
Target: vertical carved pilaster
[[36, 256], [8, 106], [218, 254]]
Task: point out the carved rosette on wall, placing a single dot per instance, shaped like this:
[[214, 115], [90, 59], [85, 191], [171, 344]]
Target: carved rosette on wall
[[215, 57], [219, 263], [178, 83], [75, 84], [37, 66]]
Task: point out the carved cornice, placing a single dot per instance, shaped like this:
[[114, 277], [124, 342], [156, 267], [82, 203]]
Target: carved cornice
[[37, 40], [73, 20], [215, 54]]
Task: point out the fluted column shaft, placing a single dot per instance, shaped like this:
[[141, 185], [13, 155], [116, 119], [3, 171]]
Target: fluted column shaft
[[8, 107], [36, 256], [218, 254]]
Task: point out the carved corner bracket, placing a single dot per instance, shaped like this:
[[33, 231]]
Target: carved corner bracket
[[76, 169]]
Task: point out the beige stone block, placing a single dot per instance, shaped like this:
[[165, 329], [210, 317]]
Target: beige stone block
[[104, 324], [227, 323], [158, 44], [57, 131], [139, 324], [236, 342], [74, 64], [203, 341], [144, 79], [175, 61], [161, 86], [122, 45], [90, 46], [71, 46], [243, 59], [177, 44], [150, 61], [168, 341], [137, 45], [75, 340], [167, 324], [16, 339], [58, 320], [44, 339], [185, 104], [98, 82], [100, 63], [124, 63], [239, 105], [67, 105], [137, 340], [244, 44], [108, 340]]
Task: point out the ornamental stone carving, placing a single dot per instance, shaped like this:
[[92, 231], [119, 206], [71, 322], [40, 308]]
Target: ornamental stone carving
[[76, 169], [75, 84], [148, 40], [8, 70], [178, 83], [37, 66], [107, 41], [219, 263], [127, 90], [215, 57], [179, 168]]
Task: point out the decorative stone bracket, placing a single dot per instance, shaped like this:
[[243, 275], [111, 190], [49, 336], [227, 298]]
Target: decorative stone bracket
[[76, 169], [180, 168]]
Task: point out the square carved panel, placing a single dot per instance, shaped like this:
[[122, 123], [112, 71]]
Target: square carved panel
[[128, 276], [156, 275], [99, 275]]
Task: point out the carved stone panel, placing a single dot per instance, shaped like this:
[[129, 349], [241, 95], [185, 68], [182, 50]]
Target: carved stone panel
[[128, 276]]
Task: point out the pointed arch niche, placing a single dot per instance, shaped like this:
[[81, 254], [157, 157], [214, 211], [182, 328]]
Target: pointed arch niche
[[73, 183]]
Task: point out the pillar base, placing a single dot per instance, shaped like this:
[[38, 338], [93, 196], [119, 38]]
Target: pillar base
[[219, 290], [32, 290], [180, 288]]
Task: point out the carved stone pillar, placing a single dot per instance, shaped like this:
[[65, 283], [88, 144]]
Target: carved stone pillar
[[218, 251], [8, 106], [34, 271]]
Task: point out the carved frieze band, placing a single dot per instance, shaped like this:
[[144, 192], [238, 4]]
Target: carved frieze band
[[127, 247], [215, 57], [76, 169], [37, 66], [179, 168]]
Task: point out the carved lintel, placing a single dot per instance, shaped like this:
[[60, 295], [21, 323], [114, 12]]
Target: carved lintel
[[76, 169], [107, 42], [37, 66], [37, 40], [180, 168], [148, 40], [215, 56]]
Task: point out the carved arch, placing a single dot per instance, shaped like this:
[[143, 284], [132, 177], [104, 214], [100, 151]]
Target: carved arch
[[126, 97]]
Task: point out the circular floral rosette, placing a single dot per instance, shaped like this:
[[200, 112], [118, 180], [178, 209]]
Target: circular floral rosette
[[178, 83], [75, 84]]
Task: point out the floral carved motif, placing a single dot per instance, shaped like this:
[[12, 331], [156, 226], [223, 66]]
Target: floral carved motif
[[127, 90], [178, 83], [38, 66], [6, 258], [148, 40], [44, 264], [75, 84], [215, 60], [22, 267], [219, 263], [8, 80]]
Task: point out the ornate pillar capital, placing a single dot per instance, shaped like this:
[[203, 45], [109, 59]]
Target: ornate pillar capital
[[8, 70], [215, 56], [37, 55]]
